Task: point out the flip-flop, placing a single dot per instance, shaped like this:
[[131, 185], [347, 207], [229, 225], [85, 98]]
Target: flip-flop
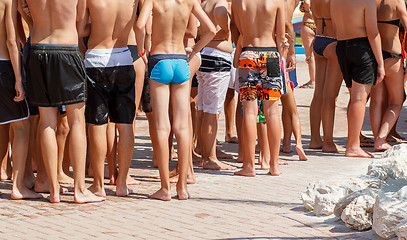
[[366, 142], [306, 85]]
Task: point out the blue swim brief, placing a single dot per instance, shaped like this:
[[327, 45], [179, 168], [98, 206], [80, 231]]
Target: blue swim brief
[[169, 68]]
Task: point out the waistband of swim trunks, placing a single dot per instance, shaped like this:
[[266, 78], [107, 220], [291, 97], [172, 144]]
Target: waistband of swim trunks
[[101, 52], [320, 36], [216, 53], [362, 40], [169, 56], [260, 49], [54, 47]]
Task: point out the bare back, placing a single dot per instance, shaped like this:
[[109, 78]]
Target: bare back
[[54, 21], [4, 8], [112, 21], [219, 13], [257, 21], [350, 18], [170, 20], [389, 10], [321, 10]]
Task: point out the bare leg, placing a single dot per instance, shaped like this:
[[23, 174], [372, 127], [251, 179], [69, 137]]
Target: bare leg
[[316, 104], [62, 134], [274, 134], [307, 36], [356, 113], [77, 152], [125, 154], [111, 137], [21, 131], [229, 108], [153, 135], [29, 178], [239, 122], [290, 106], [4, 153], [333, 80], [264, 157], [160, 95], [180, 107], [97, 150], [41, 183], [394, 86], [47, 134], [249, 136]]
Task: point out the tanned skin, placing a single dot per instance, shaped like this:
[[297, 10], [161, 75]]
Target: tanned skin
[[168, 30], [363, 23]]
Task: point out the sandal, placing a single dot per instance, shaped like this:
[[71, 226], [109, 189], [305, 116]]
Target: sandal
[[365, 141], [307, 85]]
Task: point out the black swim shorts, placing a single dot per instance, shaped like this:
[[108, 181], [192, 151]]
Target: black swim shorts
[[56, 76], [134, 52], [111, 90], [10, 111], [357, 61]]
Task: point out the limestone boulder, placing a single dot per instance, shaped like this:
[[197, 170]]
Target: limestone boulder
[[358, 214], [389, 210], [345, 201], [324, 203], [401, 230]]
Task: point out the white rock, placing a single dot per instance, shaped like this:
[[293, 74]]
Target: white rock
[[389, 210], [401, 230], [325, 203], [358, 214], [393, 164], [345, 201]]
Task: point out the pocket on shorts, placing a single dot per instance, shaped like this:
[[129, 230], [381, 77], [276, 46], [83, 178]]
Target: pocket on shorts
[[273, 67]]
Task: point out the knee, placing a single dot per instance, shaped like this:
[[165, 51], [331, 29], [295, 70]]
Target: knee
[[21, 127], [63, 129]]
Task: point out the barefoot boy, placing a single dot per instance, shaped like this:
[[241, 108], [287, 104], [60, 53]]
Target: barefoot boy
[[260, 76], [57, 77], [13, 106], [169, 75], [111, 92], [360, 57]]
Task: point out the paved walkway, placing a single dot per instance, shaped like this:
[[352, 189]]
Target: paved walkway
[[222, 206]]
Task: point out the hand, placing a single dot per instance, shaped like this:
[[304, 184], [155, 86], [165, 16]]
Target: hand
[[290, 62], [145, 59], [380, 73], [286, 44], [20, 93], [26, 10]]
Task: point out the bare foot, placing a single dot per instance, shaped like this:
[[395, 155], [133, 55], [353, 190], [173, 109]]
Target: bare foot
[[43, 187], [24, 193], [248, 172], [161, 194], [87, 197], [257, 148], [112, 180], [29, 181], [218, 143], [182, 194], [239, 159], [275, 171], [301, 153], [122, 191], [282, 162], [64, 179], [173, 155], [286, 149], [5, 175], [358, 152], [54, 198], [216, 165], [230, 139], [264, 165], [393, 139], [317, 145], [222, 155], [190, 180], [98, 191], [196, 157], [132, 181], [381, 147], [333, 148]]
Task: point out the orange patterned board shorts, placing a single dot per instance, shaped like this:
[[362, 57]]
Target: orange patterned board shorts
[[260, 75]]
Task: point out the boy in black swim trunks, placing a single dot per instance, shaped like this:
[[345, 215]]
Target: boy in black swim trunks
[[360, 58], [13, 106]]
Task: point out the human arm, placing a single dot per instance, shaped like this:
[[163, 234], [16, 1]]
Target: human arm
[[402, 13], [13, 48], [289, 30], [141, 26], [82, 19], [373, 35], [207, 24], [238, 51], [281, 29]]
